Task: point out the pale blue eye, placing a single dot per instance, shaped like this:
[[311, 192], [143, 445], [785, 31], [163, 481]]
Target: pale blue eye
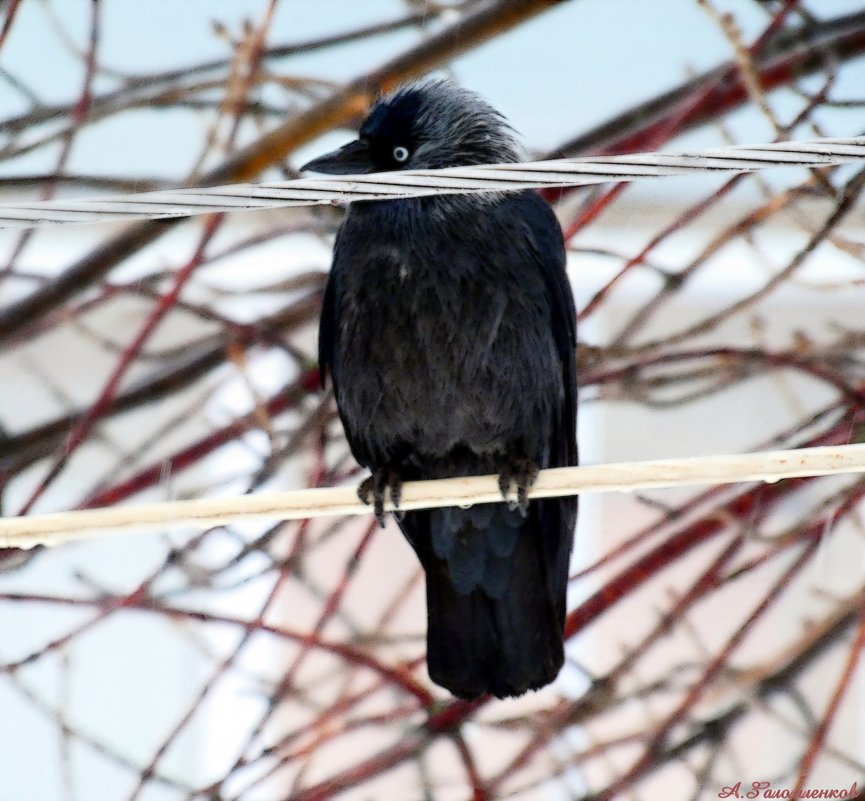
[[400, 154]]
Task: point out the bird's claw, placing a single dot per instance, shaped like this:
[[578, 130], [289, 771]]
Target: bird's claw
[[384, 484], [521, 473]]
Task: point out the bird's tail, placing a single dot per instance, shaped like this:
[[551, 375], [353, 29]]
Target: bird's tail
[[495, 601]]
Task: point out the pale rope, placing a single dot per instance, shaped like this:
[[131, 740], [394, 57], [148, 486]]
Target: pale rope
[[417, 183], [51, 529]]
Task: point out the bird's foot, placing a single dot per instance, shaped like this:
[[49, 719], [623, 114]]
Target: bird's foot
[[519, 472], [384, 484]]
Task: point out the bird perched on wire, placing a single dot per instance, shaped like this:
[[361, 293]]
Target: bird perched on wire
[[448, 327]]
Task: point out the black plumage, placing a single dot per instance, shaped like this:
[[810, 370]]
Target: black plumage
[[448, 328]]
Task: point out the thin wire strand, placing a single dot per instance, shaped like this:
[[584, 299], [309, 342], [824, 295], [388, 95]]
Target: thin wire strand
[[770, 466], [419, 183]]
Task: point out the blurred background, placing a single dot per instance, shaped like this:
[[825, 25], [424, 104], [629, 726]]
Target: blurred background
[[714, 632]]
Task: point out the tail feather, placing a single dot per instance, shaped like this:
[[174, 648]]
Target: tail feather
[[503, 633]]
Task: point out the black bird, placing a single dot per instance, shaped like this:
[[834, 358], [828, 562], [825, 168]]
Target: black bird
[[448, 327]]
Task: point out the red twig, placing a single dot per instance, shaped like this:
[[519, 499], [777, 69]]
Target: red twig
[[109, 390], [718, 663], [818, 738], [10, 18], [752, 505], [192, 454]]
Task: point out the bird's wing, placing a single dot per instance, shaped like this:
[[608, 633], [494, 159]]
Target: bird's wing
[[326, 332], [548, 250], [556, 518]]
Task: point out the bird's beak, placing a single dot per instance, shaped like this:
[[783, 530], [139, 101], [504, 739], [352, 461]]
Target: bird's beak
[[355, 158]]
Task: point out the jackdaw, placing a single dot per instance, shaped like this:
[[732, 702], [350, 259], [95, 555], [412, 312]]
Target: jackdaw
[[448, 327]]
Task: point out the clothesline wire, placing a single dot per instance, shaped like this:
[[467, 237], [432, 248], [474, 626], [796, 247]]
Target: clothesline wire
[[557, 173]]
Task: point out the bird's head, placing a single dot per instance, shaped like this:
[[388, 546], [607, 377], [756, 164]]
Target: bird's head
[[424, 125]]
